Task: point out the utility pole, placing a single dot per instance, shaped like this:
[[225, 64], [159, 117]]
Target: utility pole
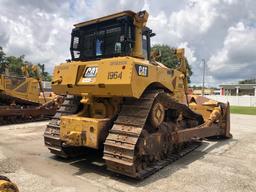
[[203, 61]]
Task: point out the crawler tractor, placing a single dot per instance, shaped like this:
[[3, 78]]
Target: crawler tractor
[[23, 99], [118, 98]]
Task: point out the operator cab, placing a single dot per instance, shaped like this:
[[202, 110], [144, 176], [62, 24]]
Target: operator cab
[[108, 37]]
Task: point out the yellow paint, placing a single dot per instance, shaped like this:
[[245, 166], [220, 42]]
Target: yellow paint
[[139, 22], [26, 88], [6, 186], [82, 131], [98, 82], [207, 109], [129, 85]]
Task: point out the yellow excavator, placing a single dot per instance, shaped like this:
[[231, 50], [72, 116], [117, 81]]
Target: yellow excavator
[[6, 185], [119, 99]]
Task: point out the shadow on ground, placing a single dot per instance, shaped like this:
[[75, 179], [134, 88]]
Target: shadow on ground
[[92, 162]]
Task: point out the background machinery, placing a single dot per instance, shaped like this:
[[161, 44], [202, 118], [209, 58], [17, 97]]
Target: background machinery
[[119, 99], [23, 98], [6, 185]]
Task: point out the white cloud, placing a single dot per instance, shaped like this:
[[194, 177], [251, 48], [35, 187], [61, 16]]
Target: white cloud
[[197, 15], [36, 31], [220, 31], [189, 53], [237, 59]]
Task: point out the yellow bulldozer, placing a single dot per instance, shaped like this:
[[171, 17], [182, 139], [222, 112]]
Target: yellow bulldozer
[[22, 98], [119, 99]]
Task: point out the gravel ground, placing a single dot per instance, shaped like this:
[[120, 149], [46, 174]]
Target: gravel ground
[[227, 165]]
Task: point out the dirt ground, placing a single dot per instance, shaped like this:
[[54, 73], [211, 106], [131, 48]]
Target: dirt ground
[[227, 165]]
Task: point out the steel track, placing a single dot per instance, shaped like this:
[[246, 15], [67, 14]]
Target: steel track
[[120, 146], [171, 158], [23, 111], [52, 133]]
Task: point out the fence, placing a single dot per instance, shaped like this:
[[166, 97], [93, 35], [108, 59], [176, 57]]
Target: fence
[[235, 100]]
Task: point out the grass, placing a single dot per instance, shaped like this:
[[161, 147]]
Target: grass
[[243, 110]]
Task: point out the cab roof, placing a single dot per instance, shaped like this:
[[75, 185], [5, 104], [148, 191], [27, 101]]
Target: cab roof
[[105, 18]]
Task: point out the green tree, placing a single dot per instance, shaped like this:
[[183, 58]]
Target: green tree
[[248, 81], [2, 55], [2, 60], [169, 58], [190, 73], [45, 75], [15, 64]]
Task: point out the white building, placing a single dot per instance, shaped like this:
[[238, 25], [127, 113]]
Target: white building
[[238, 89]]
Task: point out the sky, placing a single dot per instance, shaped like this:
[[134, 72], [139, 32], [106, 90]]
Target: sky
[[223, 32]]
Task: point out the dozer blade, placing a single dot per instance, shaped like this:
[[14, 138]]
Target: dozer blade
[[227, 123]]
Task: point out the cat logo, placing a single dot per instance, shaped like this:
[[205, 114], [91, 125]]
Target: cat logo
[[90, 72], [142, 70]]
